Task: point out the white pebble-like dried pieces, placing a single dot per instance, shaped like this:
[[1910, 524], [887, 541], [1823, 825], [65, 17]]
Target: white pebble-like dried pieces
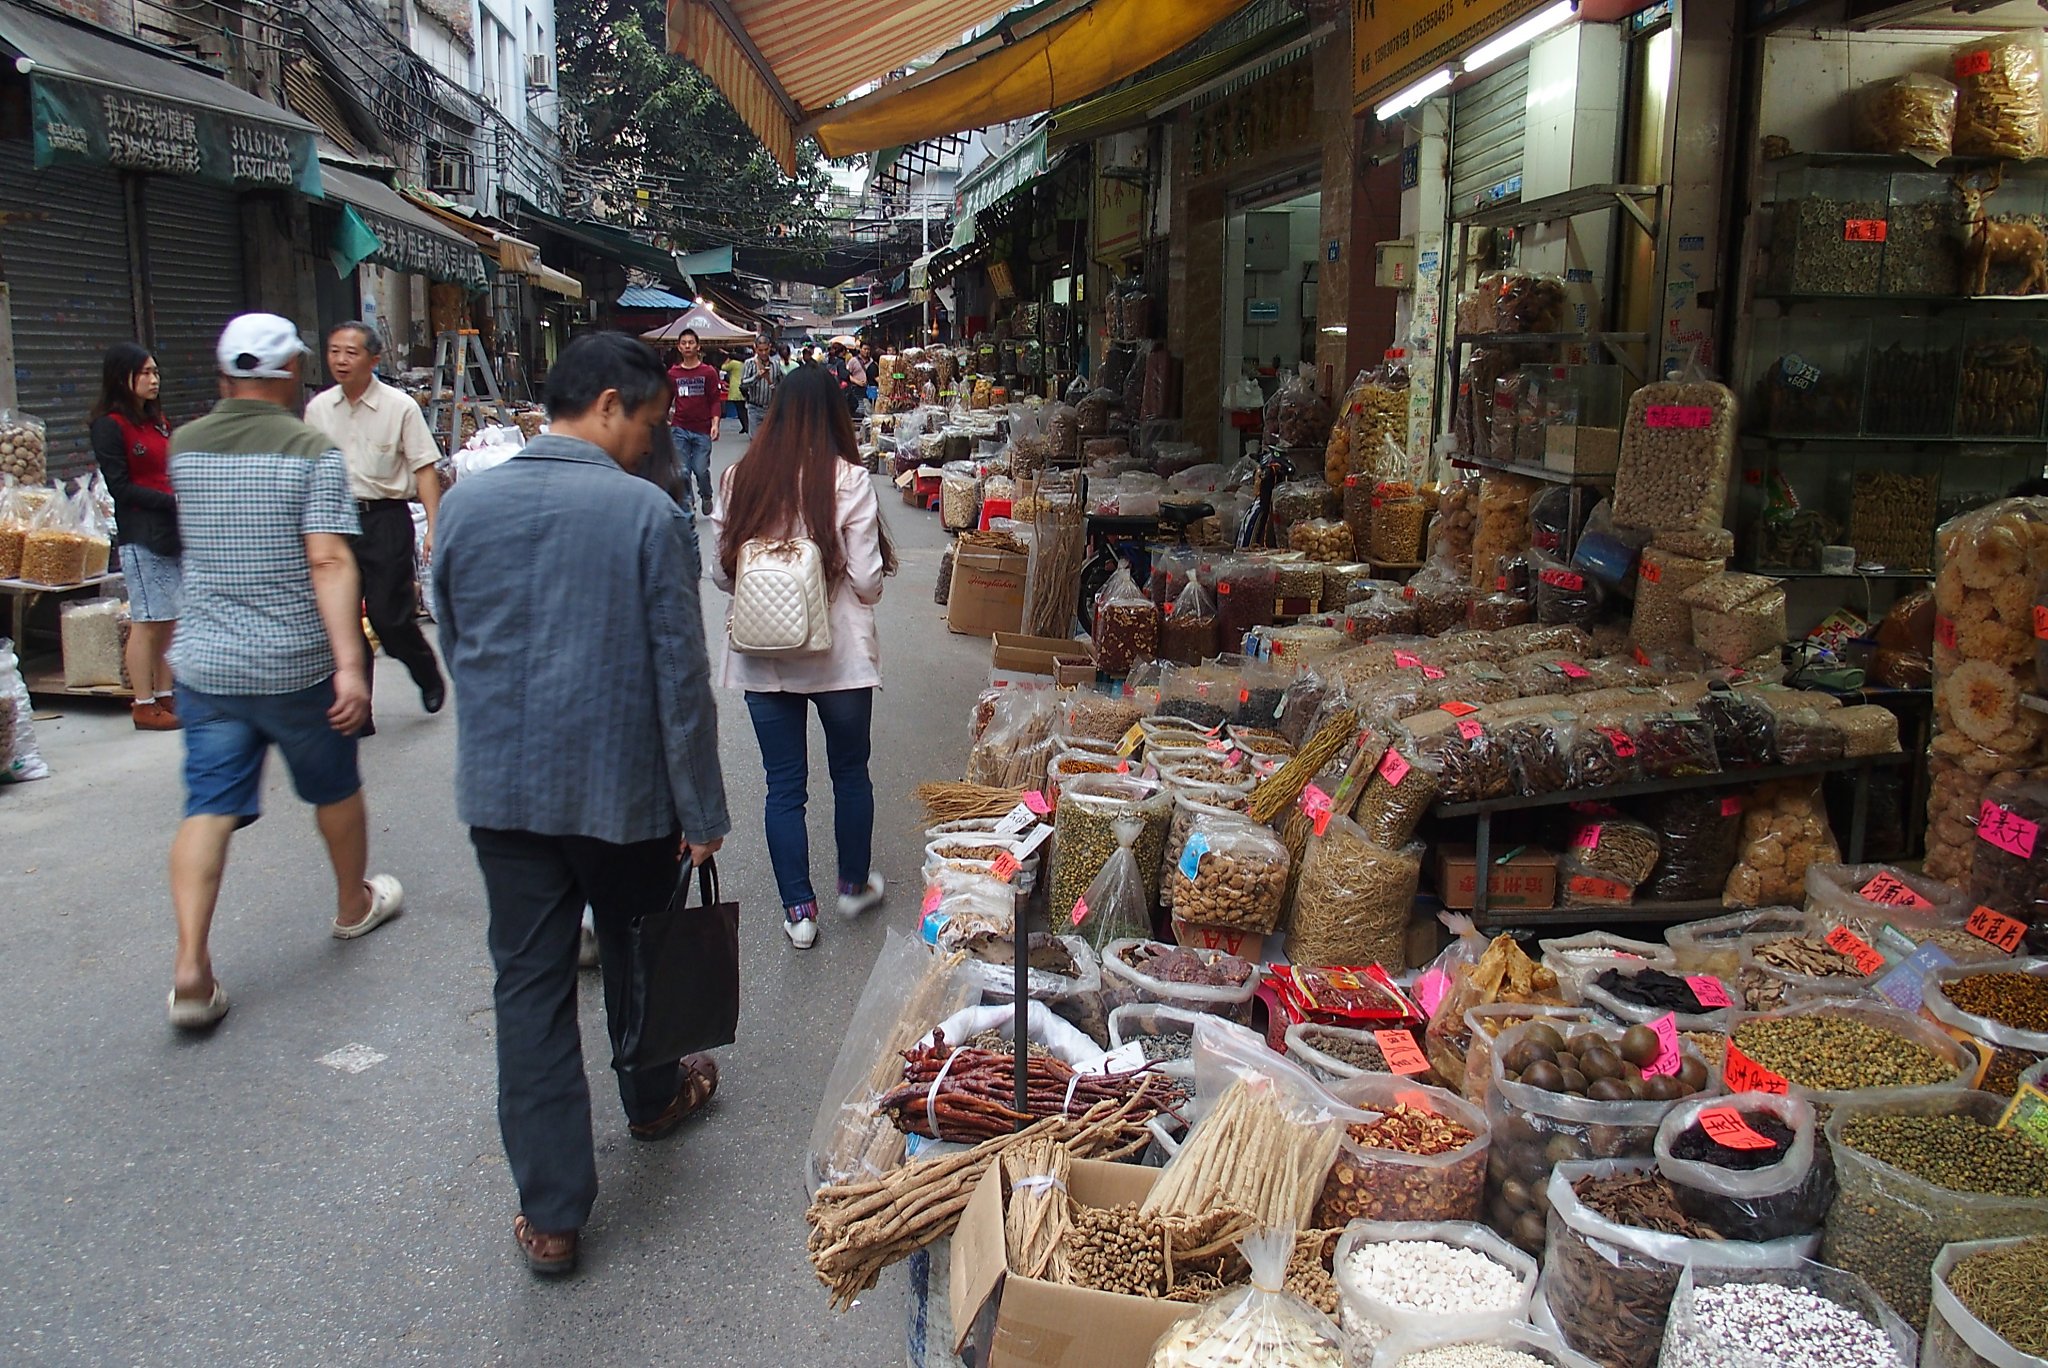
[[1472, 1356], [1763, 1325], [1423, 1278]]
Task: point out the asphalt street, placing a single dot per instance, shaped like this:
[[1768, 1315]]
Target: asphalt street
[[254, 1197]]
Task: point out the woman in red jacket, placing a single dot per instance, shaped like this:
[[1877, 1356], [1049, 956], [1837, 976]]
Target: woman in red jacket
[[132, 442]]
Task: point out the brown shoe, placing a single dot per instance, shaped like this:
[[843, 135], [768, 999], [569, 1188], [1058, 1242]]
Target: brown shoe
[[154, 716], [549, 1253], [700, 1081]]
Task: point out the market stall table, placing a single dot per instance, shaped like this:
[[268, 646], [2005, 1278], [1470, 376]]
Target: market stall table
[[23, 595]]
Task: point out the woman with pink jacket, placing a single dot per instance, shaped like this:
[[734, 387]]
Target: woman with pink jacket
[[800, 478]]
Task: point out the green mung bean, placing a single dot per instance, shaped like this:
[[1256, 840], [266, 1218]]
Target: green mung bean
[[1959, 1153], [1837, 1054]]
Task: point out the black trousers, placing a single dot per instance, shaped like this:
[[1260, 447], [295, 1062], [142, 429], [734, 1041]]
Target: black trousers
[[384, 557], [537, 887]]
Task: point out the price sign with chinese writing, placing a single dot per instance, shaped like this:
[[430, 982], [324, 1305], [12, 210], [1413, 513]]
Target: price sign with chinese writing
[[1588, 837], [1407, 660], [1471, 730], [1973, 63], [1599, 890], [1988, 924], [1571, 669], [1859, 951], [1563, 579], [1888, 890], [1004, 866], [1015, 820], [1035, 800], [1677, 416], [1402, 1054], [1394, 766], [1457, 708], [1668, 1056], [1726, 1128], [1624, 745], [1315, 805], [1864, 230], [1709, 990], [1901, 985], [2006, 829], [1743, 1074]]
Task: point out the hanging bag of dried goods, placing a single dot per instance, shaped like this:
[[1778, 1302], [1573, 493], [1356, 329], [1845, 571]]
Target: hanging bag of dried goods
[[1401, 1277], [22, 448], [1343, 431], [2003, 1006], [1618, 1245], [1261, 1323], [1559, 1093], [1807, 1316], [1986, 1309], [1421, 1156], [1784, 831], [1401, 790], [1126, 626], [1918, 1174], [54, 551], [1084, 833], [1746, 1164], [1677, 448], [1352, 903], [1297, 416], [1999, 91], [1230, 872], [1513, 1346]]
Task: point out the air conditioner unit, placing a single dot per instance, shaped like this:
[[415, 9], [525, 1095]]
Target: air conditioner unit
[[540, 71], [450, 171]]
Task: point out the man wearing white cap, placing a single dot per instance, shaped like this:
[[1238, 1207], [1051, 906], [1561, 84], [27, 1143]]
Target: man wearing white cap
[[269, 650]]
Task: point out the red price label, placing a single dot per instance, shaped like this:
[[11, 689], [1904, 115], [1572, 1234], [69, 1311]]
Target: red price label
[[1642, 656], [1471, 730], [1888, 890], [1005, 866], [1407, 660], [1571, 669], [2041, 621], [1588, 837], [931, 900], [1859, 951], [1351, 482], [1563, 579], [1864, 230], [1973, 63], [1599, 890], [1080, 910], [1244, 696], [1035, 800], [1619, 739], [1994, 927], [1726, 1128], [1402, 1054], [1668, 1056], [1223, 586], [1677, 416], [1315, 805], [1731, 807], [1708, 990], [1432, 672], [1458, 709], [2006, 829], [1944, 631], [1652, 573], [1394, 766], [1743, 1074]]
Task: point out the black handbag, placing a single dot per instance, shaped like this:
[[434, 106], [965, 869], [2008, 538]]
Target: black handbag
[[684, 978]]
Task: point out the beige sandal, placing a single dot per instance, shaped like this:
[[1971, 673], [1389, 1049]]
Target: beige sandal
[[387, 900], [196, 1014]]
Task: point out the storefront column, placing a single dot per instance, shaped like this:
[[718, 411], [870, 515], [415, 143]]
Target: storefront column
[[1201, 321], [1338, 259]]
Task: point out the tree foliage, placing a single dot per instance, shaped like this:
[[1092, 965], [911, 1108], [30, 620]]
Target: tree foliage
[[656, 146]]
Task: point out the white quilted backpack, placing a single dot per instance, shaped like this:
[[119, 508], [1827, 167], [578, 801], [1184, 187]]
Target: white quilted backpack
[[779, 602]]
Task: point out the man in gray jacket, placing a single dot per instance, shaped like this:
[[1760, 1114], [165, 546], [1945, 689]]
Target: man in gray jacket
[[586, 752]]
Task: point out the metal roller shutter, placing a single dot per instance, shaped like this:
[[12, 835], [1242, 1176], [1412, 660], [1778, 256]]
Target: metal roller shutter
[[1487, 123], [192, 245], [68, 275]]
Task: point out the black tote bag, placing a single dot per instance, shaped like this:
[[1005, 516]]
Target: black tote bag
[[684, 978]]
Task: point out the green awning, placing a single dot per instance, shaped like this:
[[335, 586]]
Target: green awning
[[1127, 108], [100, 101], [1011, 169], [611, 243], [407, 237]]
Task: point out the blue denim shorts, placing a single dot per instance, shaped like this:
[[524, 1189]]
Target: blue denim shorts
[[228, 735], [154, 582]]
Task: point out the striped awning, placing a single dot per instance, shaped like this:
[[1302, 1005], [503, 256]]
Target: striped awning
[[781, 61]]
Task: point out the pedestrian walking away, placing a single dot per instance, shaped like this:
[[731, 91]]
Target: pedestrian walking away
[[390, 454], [558, 573], [801, 477], [730, 371], [699, 398], [268, 650], [132, 443], [758, 379]]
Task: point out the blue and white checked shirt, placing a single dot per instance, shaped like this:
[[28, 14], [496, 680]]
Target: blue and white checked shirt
[[252, 481]]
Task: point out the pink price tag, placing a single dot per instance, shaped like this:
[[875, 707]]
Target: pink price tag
[[1316, 805], [1430, 989], [1035, 800], [1668, 1057], [1731, 807], [931, 900], [1572, 670], [1588, 837], [1405, 660], [1394, 766], [1401, 1052], [1432, 672], [1471, 730], [2006, 829], [1677, 416], [1708, 990], [1080, 910]]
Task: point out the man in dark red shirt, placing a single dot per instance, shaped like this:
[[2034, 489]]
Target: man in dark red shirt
[[700, 398]]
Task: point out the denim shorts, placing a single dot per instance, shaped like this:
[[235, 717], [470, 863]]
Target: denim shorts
[[154, 582], [228, 735]]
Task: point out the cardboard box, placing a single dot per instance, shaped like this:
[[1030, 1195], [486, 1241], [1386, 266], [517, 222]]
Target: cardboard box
[[1529, 880], [1246, 945], [1075, 669], [1038, 1324], [1016, 657], [987, 594]]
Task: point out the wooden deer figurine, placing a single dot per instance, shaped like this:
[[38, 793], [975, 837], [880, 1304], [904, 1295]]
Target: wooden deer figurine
[[1988, 243]]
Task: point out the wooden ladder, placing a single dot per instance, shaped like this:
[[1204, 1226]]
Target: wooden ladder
[[463, 382]]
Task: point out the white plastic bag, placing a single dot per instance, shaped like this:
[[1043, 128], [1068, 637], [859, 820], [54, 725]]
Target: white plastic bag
[[1368, 1317], [20, 761], [1262, 1323]]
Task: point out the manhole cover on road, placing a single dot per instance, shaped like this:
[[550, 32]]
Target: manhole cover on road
[[353, 1058]]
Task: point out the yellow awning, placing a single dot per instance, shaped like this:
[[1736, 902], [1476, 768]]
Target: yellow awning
[[1128, 107], [780, 61], [561, 282], [512, 254], [1061, 63]]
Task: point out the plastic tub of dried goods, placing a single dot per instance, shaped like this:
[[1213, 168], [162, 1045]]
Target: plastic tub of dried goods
[[2013, 1048]]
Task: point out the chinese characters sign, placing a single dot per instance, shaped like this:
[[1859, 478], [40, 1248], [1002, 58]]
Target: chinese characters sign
[[77, 124]]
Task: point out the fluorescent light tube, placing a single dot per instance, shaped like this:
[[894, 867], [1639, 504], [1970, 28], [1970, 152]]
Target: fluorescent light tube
[[1521, 35], [1413, 95]]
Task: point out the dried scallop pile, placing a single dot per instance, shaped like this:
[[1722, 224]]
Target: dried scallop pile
[[1991, 559]]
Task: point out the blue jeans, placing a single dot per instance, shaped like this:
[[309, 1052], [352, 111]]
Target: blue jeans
[[781, 724], [693, 451], [227, 737]]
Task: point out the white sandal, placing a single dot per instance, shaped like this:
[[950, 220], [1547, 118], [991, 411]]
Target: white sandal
[[387, 900], [196, 1014]]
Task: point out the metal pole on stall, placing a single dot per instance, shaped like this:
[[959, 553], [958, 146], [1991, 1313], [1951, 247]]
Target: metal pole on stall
[[924, 249]]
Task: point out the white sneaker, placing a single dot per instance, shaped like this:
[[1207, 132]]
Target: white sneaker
[[865, 901], [802, 933]]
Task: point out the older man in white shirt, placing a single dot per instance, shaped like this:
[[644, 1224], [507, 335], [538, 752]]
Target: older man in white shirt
[[389, 451]]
